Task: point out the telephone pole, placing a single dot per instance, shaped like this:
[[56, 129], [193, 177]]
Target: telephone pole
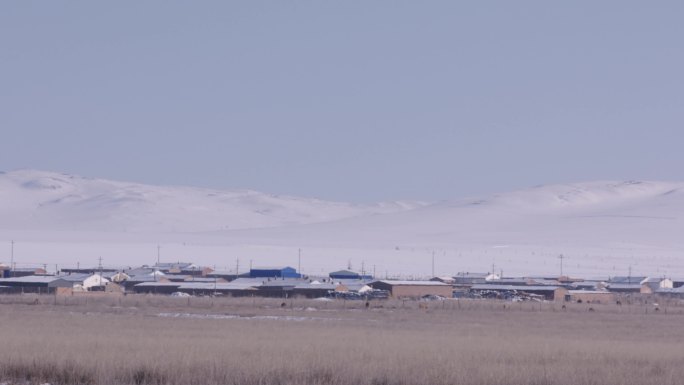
[[158, 254], [12, 260], [561, 257], [100, 267], [433, 263]]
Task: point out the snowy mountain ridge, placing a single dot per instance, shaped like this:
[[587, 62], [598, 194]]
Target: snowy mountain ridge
[[31, 199]]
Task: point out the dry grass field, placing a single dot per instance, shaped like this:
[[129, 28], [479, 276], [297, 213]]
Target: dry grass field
[[161, 340]]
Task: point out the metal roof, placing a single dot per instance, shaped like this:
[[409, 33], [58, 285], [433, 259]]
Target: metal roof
[[515, 287], [155, 284], [272, 268], [411, 283], [31, 279]]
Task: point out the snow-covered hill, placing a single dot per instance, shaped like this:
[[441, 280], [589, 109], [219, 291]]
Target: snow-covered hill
[[39, 200], [602, 228]]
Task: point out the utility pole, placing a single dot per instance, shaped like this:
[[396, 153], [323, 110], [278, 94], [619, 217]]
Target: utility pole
[[158, 254], [100, 267], [299, 261], [12, 260], [433, 263], [561, 264], [237, 267]]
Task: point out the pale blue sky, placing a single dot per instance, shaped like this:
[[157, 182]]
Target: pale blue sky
[[348, 100]]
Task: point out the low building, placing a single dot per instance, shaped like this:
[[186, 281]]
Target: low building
[[40, 284], [278, 288], [549, 293], [590, 296], [624, 287], [133, 281], [652, 285], [466, 279], [228, 275], [348, 274], [413, 289], [5, 271], [447, 280], [274, 272], [26, 271], [156, 287], [86, 282], [317, 289], [677, 292]]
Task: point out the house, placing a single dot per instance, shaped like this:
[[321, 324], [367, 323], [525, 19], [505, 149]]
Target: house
[[85, 282], [652, 285], [274, 272], [413, 289], [117, 277], [550, 293], [447, 280], [677, 292]]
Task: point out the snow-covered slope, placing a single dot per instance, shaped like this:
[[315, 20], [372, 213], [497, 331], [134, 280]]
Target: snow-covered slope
[[39, 200], [602, 228]]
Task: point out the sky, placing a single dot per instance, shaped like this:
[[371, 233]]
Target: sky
[[349, 100]]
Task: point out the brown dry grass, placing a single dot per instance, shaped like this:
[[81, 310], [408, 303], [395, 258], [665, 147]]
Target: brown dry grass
[[125, 341]]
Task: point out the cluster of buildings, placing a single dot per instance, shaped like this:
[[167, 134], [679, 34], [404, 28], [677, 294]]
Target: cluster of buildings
[[285, 282]]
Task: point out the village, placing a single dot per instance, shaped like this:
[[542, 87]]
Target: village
[[185, 279]]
